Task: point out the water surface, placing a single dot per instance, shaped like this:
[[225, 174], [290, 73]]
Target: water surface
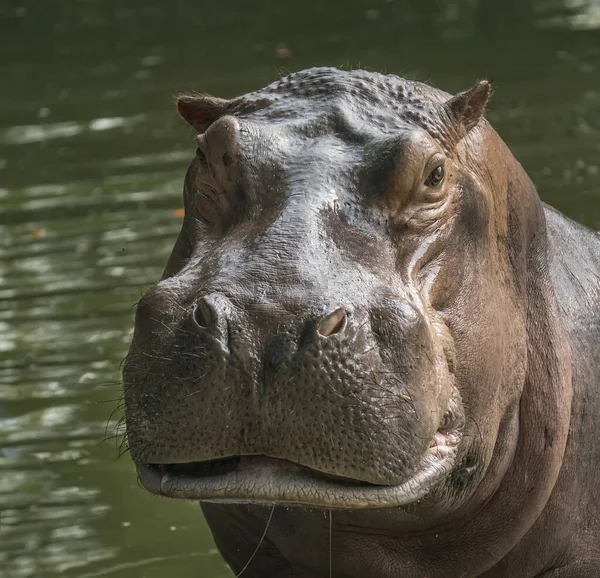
[[92, 158]]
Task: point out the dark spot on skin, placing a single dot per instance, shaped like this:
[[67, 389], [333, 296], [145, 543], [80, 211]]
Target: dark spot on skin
[[277, 350], [548, 438], [515, 242], [463, 474], [381, 162], [473, 218], [305, 338]]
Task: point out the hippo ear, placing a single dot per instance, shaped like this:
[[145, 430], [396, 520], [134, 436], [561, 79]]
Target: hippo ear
[[200, 111], [468, 107]]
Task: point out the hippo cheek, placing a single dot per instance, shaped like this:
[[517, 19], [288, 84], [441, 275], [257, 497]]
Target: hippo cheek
[[353, 411]]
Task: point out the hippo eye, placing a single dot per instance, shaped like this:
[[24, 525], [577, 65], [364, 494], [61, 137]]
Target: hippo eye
[[436, 176]]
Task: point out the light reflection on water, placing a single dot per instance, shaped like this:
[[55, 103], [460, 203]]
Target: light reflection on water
[[20, 135], [92, 158], [586, 14]]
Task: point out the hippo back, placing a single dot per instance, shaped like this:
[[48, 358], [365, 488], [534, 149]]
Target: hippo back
[[575, 268]]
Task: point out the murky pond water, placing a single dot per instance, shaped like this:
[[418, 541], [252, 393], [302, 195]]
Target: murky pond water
[[92, 158]]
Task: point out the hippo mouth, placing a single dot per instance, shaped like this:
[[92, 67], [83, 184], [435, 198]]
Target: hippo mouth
[[260, 479]]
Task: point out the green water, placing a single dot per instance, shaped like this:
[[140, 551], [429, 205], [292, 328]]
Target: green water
[[92, 159]]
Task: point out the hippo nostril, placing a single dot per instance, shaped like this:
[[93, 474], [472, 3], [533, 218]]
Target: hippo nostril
[[204, 314], [334, 323]]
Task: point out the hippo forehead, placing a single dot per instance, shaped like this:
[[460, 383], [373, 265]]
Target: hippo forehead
[[354, 103]]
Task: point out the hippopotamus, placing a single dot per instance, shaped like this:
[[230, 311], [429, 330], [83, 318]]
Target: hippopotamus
[[374, 352]]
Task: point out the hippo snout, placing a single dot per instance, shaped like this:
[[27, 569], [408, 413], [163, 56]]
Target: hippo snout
[[320, 385]]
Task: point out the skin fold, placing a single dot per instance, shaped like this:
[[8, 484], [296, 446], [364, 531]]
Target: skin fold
[[374, 350]]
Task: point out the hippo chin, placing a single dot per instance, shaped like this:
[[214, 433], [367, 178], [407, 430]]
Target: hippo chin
[[374, 352]]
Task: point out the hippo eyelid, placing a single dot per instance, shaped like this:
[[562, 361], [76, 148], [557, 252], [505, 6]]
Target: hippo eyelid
[[436, 160]]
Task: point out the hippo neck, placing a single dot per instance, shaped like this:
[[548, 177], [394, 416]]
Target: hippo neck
[[543, 415], [544, 411]]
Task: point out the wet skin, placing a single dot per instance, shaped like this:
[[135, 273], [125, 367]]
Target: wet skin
[[372, 342]]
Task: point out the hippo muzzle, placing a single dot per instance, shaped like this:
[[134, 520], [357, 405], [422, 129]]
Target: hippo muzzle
[[331, 389]]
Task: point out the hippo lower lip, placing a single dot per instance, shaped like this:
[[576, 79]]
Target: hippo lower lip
[[262, 479]]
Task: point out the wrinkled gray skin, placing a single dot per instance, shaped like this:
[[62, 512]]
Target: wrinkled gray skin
[[397, 365]]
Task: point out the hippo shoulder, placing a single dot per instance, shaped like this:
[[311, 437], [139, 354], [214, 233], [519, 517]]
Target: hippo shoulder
[[575, 269]]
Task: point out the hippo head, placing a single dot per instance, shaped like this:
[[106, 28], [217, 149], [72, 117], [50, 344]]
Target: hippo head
[[341, 323]]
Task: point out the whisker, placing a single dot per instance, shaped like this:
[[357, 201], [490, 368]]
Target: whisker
[[330, 554], [259, 543]]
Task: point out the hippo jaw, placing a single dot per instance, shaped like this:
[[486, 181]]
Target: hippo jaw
[[264, 480]]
